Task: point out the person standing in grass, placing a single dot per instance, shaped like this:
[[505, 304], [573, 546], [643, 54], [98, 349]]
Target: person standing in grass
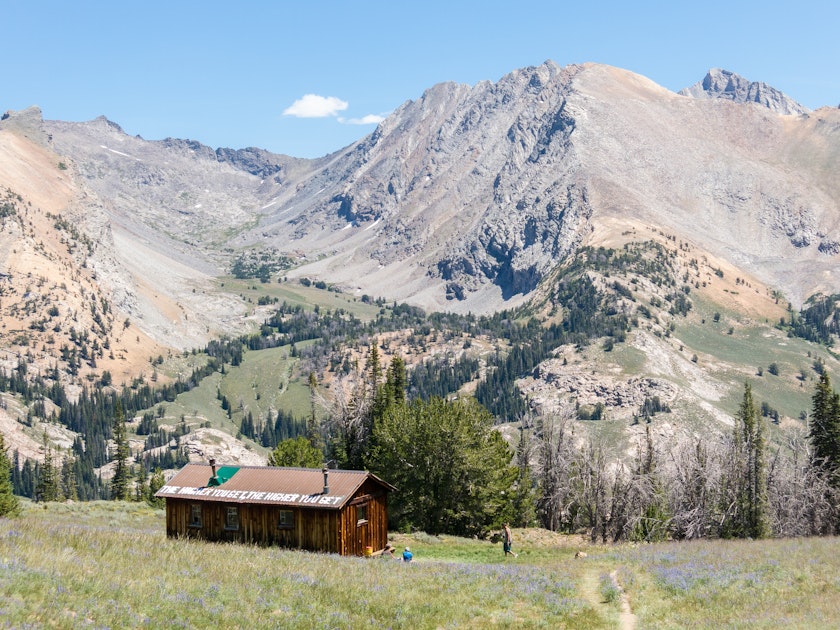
[[388, 552], [507, 542]]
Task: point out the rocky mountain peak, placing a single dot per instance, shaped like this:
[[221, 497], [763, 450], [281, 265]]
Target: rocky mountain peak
[[466, 198], [27, 122], [32, 113], [103, 120], [719, 83]]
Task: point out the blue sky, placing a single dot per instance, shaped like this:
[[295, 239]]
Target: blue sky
[[308, 78]]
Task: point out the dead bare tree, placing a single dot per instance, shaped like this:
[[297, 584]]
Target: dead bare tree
[[693, 481], [592, 489], [347, 410], [690, 492], [582, 486], [651, 516], [623, 503], [802, 500], [553, 454]]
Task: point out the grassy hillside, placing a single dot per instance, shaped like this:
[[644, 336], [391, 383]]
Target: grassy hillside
[[255, 292], [109, 565], [266, 379]]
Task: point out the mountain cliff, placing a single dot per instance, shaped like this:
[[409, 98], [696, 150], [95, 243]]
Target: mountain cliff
[[463, 200], [724, 84]]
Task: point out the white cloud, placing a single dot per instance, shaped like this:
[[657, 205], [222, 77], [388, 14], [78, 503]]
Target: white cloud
[[370, 119], [314, 106]]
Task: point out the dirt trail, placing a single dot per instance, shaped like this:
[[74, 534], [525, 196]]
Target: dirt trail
[[591, 591], [627, 620]]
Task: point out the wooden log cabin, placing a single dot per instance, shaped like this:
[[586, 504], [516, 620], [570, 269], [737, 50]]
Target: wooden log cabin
[[333, 511]]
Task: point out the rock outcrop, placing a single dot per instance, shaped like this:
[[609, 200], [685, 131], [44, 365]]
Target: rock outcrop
[[730, 86]]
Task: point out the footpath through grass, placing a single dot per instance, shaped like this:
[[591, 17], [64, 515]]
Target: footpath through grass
[[109, 565]]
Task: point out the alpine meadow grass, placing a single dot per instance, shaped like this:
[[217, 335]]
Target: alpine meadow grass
[[109, 565], [777, 583]]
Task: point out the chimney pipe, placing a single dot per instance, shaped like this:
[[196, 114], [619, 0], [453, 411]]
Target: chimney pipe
[[213, 467], [326, 480]]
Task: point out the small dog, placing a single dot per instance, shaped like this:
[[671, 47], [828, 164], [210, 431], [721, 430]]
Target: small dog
[[580, 554]]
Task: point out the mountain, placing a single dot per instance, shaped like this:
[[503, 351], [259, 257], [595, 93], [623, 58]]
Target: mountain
[[727, 85], [464, 199], [120, 255]]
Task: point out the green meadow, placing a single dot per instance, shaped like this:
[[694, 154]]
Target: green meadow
[[296, 294], [266, 380], [109, 565]]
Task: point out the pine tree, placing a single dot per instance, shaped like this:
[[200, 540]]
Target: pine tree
[[453, 469], [653, 524], [824, 429], [267, 437], [396, 382], [524, 504], [121, 481], [27, 485], [141, 488], [17, 474], [156, 482], [48, 488], [376, 391], [9, 504], [68, 478], [749, 482], [373, 366]]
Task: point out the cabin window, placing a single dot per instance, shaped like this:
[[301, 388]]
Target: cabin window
[[286, 520], [361, 514], [232, 518], [195, 515]]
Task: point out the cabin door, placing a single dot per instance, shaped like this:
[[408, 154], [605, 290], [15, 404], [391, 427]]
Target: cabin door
[[362, 530]]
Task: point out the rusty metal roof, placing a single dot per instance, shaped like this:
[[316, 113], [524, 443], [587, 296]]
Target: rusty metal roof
[[294, 487]]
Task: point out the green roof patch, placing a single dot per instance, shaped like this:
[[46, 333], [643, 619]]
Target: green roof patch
[[223, 474]]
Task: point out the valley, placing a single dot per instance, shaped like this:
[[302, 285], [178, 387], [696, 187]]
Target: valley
[[571, 237]]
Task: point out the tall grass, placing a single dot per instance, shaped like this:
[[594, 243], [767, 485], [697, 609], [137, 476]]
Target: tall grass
[[780, 583], [109, 565]]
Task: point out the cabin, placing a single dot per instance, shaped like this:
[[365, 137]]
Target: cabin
[[333, 511]]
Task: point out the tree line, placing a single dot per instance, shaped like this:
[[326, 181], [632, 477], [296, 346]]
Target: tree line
[[74, 474], [457, 475], [693, 487], [454, 472]]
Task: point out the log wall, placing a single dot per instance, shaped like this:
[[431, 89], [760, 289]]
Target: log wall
[[332, 531]]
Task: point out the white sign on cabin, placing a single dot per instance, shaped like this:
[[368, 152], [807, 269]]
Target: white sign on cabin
[[251, 495]]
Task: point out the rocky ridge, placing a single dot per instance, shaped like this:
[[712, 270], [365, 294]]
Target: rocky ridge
[[461, 200], [727, 85]]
